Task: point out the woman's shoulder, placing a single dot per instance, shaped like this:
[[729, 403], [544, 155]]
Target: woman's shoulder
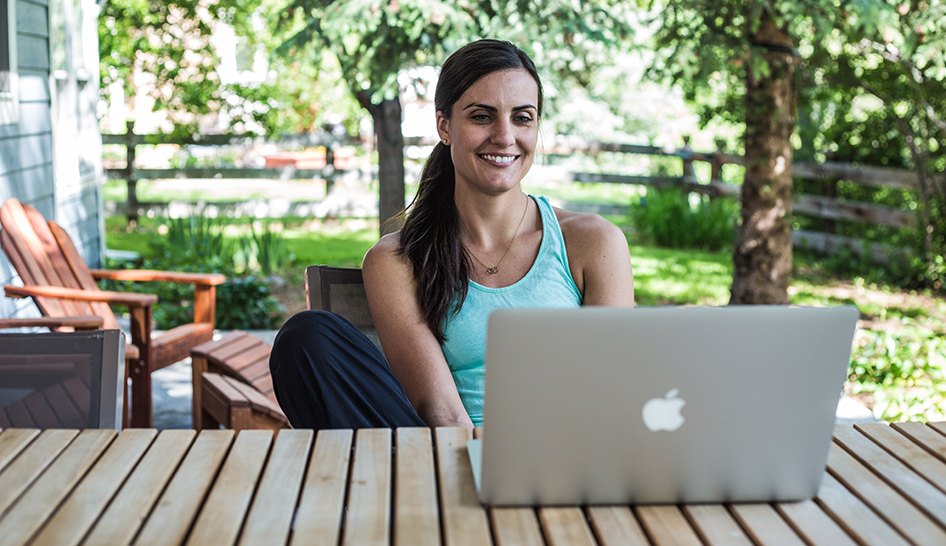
[[386, 252], [583, 228]]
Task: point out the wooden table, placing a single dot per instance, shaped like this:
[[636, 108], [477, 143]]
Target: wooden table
[[884, 486]]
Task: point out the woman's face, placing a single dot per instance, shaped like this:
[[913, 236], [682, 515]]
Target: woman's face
[[492, 130]]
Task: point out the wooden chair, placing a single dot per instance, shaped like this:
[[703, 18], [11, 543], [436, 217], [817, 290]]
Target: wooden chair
[[61, 285], [232, 383], [340, 290]]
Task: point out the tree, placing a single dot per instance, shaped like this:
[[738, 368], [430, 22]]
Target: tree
[[166, 49], [376, 40], [745, 52]]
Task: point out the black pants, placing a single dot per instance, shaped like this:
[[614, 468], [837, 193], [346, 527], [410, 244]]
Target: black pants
[[327, 374]]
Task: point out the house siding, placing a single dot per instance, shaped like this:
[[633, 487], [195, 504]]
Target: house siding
[[28, 159]]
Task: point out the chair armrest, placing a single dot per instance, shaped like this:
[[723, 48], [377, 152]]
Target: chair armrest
[[208, 279], [130, 299], [78, 323]]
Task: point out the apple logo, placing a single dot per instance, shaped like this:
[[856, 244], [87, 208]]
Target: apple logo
[[664, 413]]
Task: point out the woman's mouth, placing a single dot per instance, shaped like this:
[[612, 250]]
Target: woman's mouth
[[501, 159]]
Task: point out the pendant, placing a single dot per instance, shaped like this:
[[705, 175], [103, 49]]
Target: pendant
[[492, 270]]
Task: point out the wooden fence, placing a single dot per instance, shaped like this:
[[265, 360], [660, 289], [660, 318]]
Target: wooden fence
[[826, 207]]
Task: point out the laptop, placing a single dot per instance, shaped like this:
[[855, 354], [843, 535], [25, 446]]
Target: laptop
[[603, 405]]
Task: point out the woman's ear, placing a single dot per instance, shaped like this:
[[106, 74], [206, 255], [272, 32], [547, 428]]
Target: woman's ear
[[443, 128]]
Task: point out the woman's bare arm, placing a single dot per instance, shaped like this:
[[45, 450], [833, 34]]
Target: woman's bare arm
[[598, 258], [411, 349]]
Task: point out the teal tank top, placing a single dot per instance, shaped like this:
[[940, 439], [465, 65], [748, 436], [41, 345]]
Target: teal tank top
[[548, 283]]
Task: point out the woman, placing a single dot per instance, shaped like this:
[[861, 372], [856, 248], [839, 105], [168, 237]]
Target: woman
[[472, 242]]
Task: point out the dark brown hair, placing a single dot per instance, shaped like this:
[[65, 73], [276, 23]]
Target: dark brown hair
[[430, 237]]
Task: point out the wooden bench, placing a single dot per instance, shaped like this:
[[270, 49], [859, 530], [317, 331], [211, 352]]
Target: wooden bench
[[242, 358]]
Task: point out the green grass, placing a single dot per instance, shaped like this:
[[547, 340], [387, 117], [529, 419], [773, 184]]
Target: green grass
[[676, 277]]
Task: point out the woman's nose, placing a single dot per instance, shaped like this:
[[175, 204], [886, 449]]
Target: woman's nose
[[503, 133]]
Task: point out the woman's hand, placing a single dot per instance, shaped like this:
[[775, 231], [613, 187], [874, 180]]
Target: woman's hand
[[410, 347]]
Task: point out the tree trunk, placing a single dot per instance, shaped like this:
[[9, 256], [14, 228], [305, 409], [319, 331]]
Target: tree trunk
[[762, 257], [387, 127]]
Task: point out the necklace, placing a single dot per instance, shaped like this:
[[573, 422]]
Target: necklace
[[495, 269]]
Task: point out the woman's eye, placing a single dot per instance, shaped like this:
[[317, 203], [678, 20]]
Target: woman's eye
[[480, 117], [523, 119]]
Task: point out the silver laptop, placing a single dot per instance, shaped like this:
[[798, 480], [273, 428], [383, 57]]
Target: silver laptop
[[659, 405]]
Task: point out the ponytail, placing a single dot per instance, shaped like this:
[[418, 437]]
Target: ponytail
[[430, 239]]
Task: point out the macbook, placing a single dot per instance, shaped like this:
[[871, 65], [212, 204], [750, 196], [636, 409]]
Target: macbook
[[603, 405]]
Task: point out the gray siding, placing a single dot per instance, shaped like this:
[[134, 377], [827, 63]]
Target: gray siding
[[27, 157]]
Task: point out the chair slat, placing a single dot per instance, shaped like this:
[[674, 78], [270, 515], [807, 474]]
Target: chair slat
[[319, 519], [124, 516], [13, 441], [565, 526], [173, 515], [667, 525], [38, 503], [876, 493], [19, 415], [855, 517], [29, 271], [51, 249], [369, 489], [464, 518], [715, 525], [416, 515], [930, 499], [80, 511], [616, 525], [765, 525], [226, 507], [250, 357], [270, 517]]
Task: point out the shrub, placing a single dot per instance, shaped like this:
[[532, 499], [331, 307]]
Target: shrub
[[667, 218], [197, 245]]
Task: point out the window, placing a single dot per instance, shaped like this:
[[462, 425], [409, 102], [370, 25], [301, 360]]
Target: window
[[9, 106]]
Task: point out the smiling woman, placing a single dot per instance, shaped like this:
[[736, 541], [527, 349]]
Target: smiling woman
[[472, 242]]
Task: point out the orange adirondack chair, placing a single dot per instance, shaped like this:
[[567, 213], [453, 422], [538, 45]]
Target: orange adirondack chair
[[62, 285]]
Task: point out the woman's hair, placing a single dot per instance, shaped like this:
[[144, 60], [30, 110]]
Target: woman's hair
[[430, 237]]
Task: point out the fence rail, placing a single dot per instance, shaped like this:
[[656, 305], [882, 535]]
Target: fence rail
[[825, 207]]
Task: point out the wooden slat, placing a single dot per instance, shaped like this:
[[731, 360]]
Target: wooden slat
[[715, 525], [416, 515], [270, 517], [565, 526], [79, 394], [765, 525], [37, 504], [13, 441], [463, 517], [80, 511], [813, 524], [880, 496], [172, 516], [916, 445], [616, 526], [82, 275], [224, 352], [666, 525], [369, 489], [909, 483], [240, 362], [854, 516], [126, 513], [224, 510], [56, 258], [515, 527], [204, 349], [32, 461], [255, 371], [938, 427], [925, 435], [319, 519]]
